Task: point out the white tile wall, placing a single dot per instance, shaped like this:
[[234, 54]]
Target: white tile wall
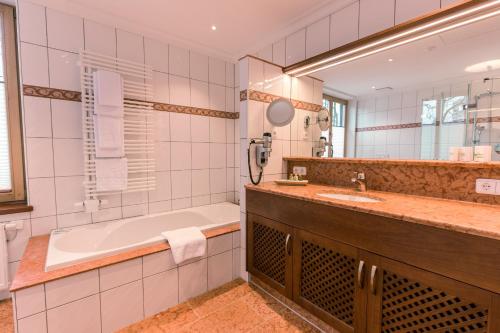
[[30, 301], [318, 37], [405, 143], [344, 27], [407, 9], [157, 294], [50, 42], [72, 288], [358, 19], [78, 317], [32, 23], [252, 124], [100, 38], [190, 284], [119, 274], [122, 306], [64, 31], [295, 47]]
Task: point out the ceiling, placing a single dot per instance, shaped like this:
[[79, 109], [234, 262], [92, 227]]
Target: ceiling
[[242, 26], [438, 59]]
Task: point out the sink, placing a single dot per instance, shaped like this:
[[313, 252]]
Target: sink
[[348, 197]]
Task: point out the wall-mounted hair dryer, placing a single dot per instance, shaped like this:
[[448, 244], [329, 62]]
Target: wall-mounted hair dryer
[[262, 154], [279, 113]]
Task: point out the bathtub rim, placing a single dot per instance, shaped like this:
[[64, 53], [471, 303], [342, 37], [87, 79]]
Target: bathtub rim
[[31, 270], [65, 259]]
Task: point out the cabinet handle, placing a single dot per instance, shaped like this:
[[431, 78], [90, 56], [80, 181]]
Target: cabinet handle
[[361, 274], [287, 244], [373, 275]]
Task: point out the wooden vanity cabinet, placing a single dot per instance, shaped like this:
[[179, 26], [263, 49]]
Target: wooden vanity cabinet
[[269, 252], [403, 298], [326, 280], [292, 246], [317, 273]]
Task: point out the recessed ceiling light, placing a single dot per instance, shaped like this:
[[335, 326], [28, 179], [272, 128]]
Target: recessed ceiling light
[[373, 87], [214, 28], [484, 66], [390, 60]]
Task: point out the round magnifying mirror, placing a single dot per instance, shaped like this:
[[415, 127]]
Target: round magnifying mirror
[[323, 119], [280, 112]]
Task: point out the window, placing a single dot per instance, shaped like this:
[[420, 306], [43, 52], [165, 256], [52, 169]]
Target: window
[[429, 112], [336, 135], [11, 160], [454, 110]]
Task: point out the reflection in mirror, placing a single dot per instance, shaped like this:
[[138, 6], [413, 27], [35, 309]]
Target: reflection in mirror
[[424, 100]]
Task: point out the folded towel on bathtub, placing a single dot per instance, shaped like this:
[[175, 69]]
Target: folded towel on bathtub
[[186, 243]]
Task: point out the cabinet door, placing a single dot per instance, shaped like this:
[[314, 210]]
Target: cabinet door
[[269, 252], [404, 299], [328, 280]]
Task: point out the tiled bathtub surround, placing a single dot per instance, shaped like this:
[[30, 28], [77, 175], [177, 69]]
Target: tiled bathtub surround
[[112, 297], [438, 179], [196, 162]]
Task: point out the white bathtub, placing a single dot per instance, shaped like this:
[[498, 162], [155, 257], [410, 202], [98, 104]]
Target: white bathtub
[[73, 245]]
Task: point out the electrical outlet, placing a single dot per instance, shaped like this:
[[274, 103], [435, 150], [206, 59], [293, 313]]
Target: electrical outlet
[[299, 170], [486, 186]]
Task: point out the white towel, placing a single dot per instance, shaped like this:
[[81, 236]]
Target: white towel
[[109, 136], [4, 262], [111, 174], [108, 88], [186, 243]]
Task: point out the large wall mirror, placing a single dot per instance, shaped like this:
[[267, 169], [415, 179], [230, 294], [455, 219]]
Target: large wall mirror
[[418, 100]]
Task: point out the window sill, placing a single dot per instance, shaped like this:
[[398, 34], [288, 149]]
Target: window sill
[[14, 207]]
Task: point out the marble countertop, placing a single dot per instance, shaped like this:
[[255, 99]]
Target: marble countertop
[[466, 217]]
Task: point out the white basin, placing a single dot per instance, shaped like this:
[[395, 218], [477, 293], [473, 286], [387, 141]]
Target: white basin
[[348, 197]]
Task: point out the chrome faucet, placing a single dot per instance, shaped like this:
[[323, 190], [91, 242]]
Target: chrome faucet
[[360, 181]]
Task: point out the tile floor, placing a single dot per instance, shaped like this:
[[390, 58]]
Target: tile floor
[[234, 307], [6, 317]]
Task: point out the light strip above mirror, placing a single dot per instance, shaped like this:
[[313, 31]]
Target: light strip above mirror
[[433, 24]]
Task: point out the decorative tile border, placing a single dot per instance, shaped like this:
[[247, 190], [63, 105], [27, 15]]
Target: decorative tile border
[[46, 92], [260, 96], [387, 127], [76, 96], [495, 119], [194, 111], [481, 120]]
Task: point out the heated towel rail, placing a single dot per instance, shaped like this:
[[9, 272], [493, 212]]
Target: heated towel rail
[[138, 122]]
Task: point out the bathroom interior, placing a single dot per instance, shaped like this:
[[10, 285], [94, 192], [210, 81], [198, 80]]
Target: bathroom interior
[[284, 166]]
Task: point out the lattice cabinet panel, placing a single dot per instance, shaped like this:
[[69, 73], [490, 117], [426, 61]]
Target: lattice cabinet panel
[[328, 280], [269, 254], [412, 307]]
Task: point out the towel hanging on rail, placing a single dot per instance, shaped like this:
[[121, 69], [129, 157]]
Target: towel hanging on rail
[[111, 174], [108, 89], [109, 136], [108, 114]]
